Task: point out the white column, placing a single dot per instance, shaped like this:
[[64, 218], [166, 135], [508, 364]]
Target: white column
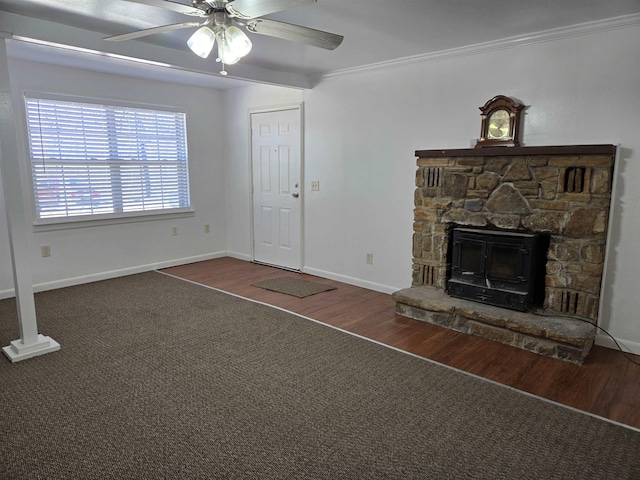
[[30, 343]]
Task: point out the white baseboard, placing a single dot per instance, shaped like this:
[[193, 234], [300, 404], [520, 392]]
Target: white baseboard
[[239, 256], [378, 287], [9, 293], [626, 345], [96, 277]]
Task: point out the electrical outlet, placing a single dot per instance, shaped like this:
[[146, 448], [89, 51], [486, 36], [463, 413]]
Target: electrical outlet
[[369, 258], [174, 230], [207, 228], [45, 250], [315, 185]]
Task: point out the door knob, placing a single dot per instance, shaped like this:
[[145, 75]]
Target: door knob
[[295, 194]]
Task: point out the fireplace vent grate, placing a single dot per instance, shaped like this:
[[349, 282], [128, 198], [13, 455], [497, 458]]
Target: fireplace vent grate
[[429, 275], [569, 303], [433, 177], [574, 180]]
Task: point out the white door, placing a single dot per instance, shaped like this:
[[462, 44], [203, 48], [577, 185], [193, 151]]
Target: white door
[[276, 168]]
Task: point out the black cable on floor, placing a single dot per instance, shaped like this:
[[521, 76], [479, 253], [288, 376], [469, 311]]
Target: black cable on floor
[[625, 354]]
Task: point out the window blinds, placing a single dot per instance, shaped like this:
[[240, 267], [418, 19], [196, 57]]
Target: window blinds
[[91, 159]]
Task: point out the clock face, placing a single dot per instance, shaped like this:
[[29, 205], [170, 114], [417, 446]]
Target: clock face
[[498, 125]]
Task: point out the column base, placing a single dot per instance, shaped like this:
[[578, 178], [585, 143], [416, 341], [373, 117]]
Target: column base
[[17, 351]]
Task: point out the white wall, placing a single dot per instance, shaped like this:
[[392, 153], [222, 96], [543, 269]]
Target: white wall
[[91, 253], [362, 130]]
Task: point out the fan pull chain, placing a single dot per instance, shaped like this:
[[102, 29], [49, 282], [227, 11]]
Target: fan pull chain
[[223, 72]]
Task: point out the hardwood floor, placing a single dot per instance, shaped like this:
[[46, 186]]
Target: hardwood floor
[[607, 384]]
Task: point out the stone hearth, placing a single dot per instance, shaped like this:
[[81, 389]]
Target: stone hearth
[[563, 192], [558, 337]]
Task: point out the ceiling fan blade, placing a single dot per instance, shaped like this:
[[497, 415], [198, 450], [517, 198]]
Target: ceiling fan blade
[[295, 33], [257, 8], [151, 31], [169, 5]]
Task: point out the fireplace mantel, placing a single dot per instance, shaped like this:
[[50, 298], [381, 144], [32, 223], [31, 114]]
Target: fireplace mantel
[[561, 150], [563, 192]]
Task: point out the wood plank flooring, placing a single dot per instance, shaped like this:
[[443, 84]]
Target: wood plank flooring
[[607, 384]]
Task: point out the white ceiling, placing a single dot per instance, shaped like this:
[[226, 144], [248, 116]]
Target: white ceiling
[[375, 31]]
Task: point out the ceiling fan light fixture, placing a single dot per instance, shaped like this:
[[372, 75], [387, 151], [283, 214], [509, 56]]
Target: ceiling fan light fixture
[[225, 54], [238, 41], [202, 41]]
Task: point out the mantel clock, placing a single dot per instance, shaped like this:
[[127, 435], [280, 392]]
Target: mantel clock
[[500, 123]]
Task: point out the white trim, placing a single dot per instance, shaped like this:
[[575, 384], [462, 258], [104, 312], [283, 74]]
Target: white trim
[[273, 108], [86, 221], [513, 389], [96, 277], [378, 287], [17, 351], [239, 256], [609, 250], [626, 345], [301, 188], [8, 293], [554, 34]]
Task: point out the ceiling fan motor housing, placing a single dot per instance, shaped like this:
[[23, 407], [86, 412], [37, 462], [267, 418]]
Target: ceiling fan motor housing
[[220, 19], [205, 5]]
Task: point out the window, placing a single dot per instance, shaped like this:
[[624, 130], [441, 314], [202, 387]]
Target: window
[[105, 161]]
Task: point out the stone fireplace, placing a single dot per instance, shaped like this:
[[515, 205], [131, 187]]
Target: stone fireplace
[[560, 194]]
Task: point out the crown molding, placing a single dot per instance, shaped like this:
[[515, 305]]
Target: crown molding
[[554, 34]]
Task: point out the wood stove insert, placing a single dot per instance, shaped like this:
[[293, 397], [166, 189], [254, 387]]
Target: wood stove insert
[[496, 267]]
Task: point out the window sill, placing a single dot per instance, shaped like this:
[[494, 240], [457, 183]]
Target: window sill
[[87, 222]]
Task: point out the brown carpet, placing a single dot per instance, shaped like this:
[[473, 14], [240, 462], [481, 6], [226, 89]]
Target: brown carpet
[[294, 286], [159, 378]]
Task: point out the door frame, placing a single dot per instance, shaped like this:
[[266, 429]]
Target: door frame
[[272, 109]]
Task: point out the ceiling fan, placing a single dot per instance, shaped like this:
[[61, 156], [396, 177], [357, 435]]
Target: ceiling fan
[[218, 25]]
